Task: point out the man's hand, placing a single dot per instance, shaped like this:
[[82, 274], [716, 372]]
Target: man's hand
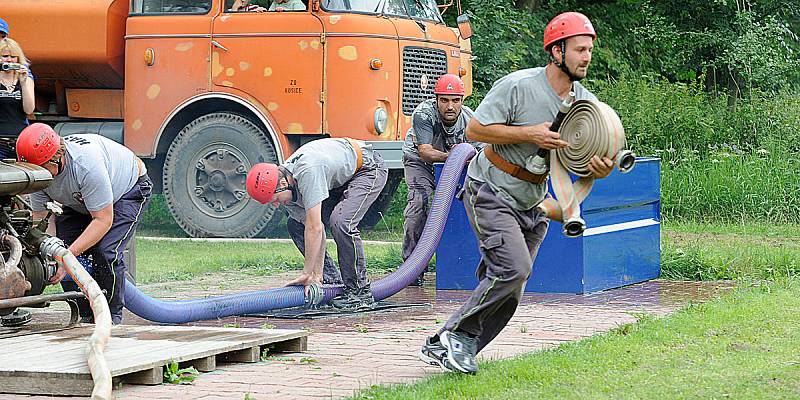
[[600, 167], [306, 279], [542, 136], [60, 274]]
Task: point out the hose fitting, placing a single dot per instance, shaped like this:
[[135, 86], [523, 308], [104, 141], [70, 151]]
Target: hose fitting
[[315, 296], [574, 227], [625, 161]]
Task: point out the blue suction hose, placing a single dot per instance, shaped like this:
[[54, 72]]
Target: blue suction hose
[[183, 311]]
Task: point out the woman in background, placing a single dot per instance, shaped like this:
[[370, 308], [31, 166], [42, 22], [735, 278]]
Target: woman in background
[[16, 95]]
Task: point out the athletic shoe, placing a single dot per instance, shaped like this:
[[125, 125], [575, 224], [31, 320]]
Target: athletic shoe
[[432, 352], [461, 351]]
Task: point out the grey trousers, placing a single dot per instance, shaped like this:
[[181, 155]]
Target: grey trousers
[[341, 213], [509, 240], [420, 182]]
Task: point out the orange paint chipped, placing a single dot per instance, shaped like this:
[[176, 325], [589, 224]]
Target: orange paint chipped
[[348, 53], [387, 76], [137, 125], [314, 44], [334, 19], [294, 128], [227, 83], [216, 67], [225, 18], [267, 71], [303, 44], [153, 91], [230, 71], [185, 46], [244, 65], [272, 106]]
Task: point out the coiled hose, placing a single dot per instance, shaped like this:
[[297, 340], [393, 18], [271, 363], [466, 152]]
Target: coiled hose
[[101, 374], [182, 311], [591, 128]]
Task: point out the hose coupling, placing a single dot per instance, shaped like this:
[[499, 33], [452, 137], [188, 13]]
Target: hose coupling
[[574, 227], [315, 296], [625, 161], [51, 246]]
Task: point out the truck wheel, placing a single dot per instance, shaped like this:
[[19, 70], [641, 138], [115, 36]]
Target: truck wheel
[[204, 176], [378, 209]]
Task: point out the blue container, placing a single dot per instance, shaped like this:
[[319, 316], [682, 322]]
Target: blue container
[[620, 246]]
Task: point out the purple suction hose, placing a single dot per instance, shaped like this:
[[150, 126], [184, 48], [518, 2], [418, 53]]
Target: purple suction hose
[[182, 311]]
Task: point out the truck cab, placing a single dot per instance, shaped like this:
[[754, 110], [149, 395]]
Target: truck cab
[[202, 92]]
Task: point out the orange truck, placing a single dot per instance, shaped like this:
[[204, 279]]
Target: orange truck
[[202, 93]]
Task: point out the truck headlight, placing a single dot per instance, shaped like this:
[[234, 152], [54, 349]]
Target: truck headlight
[[380, 120]]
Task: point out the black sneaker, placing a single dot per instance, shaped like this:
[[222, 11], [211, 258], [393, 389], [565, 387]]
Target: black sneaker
[[433, 352], [461, 351]]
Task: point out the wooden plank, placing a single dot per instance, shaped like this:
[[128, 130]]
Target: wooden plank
[[150, 376], [55, 363], [248, 355], [205, 364], [295, 345], [25, 382]]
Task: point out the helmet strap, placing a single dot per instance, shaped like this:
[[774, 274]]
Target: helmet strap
[[563, 65]]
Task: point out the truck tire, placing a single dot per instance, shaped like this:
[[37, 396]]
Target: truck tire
[[204, 176], [381, 204]]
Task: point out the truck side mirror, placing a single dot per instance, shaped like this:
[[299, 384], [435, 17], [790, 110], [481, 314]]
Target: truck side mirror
[[464, 27]]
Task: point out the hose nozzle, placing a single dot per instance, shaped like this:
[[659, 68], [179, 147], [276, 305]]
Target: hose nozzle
[[625, 161], [574, 227], [315, 296]]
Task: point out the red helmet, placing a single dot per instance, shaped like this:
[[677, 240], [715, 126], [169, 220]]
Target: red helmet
[[449, 84], [262, 181], [567, 25], [37, 144]]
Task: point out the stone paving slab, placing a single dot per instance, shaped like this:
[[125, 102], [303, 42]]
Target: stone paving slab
[[347, 354]]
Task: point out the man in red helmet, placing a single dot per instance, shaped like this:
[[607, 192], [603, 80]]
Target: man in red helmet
[[104, 189], [329, 182], [514, 120], [437, 125]]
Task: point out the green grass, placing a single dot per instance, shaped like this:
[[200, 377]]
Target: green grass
[[162, 261], [741, 346], [723, 251]]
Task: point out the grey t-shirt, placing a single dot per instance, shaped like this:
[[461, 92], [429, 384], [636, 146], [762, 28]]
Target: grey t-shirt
[[97, 172], [520, 98], [320, 166], [427, 128]]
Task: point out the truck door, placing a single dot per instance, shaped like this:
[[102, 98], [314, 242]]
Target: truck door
[[274, 57], [166, 62]]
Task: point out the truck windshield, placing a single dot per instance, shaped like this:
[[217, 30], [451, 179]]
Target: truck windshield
[[423, 9]]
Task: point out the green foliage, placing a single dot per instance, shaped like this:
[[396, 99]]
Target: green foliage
[[181, 376]]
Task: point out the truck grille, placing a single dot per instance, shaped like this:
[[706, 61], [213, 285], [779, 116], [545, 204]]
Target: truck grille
[[421, 68]]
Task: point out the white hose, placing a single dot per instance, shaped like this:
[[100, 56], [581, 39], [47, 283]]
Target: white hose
[[591, 128], [102, 316]]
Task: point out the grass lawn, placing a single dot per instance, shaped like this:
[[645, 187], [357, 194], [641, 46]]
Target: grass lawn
[[162, 261], [742, 346]]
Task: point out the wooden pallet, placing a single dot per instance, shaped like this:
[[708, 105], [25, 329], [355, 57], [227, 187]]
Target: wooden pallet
[[55, 363]]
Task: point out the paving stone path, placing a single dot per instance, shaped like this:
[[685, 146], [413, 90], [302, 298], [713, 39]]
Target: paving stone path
[[346, 354]]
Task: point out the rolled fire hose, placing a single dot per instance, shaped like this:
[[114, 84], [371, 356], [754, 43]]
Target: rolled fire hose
[[591, 128], [177, 312], [101, 374]]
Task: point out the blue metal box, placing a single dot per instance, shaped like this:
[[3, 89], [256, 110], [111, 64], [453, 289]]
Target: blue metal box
[[620, 246]]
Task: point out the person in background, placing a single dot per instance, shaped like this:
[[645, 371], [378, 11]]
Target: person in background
[[438, 124], [16, 93], [326, 181]]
